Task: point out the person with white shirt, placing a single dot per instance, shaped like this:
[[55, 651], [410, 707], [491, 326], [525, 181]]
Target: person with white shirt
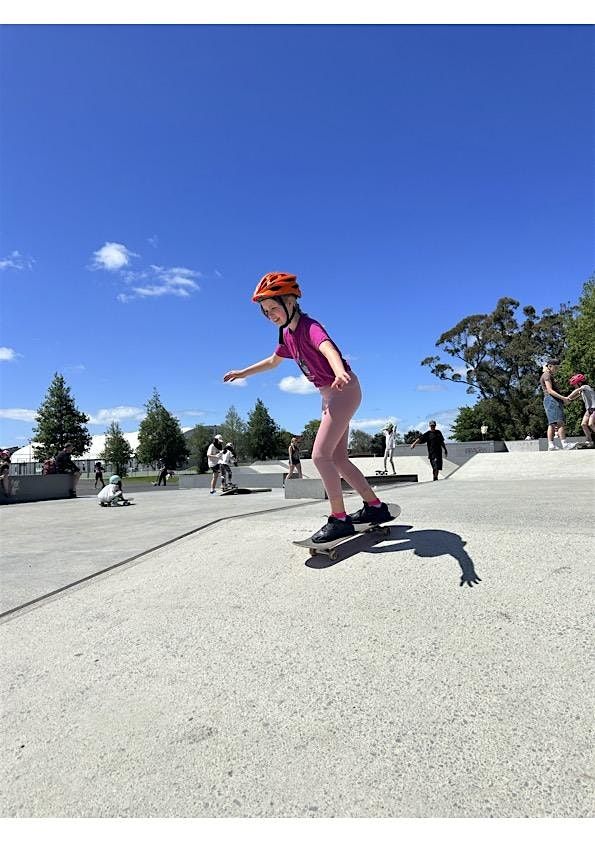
[[214, 459], [390, 442], [227, 459]]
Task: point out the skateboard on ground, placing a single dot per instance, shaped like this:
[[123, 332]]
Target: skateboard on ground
[[378, 530], [126, 502], [236, 490]]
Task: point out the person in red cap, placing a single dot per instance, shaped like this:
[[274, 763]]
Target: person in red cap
[[306, 341], [587, 393]]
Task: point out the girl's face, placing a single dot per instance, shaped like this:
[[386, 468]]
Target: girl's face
[[274, 311]]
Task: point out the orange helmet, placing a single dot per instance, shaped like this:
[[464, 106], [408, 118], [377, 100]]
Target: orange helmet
[[274, 284]]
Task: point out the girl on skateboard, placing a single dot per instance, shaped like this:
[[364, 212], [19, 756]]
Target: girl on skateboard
[[306, 341]]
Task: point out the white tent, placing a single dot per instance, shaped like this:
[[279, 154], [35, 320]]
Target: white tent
[[25, 454]]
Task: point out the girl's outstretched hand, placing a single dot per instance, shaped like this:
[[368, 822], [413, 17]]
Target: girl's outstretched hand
[[231, 375], [340, 381]]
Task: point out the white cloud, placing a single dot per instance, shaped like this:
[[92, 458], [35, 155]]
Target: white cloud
[[176, 280], [375, 424], [153, 241], [430, 387], [297, 385], [239, 381], [117, 413], [8, 354], [16, 260], [112, 257], [19, 414], [198, 413]]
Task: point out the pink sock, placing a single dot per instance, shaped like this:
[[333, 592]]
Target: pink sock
[[375, 502], [339, 515]]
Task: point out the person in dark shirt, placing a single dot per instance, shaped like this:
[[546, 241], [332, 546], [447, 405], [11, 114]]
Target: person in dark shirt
[[436, 444], [65, 465]]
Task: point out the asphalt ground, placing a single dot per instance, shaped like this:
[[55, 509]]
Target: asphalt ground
[[228, 674]]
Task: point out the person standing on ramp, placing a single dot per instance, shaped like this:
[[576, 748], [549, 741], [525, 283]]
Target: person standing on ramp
[[436, 444]]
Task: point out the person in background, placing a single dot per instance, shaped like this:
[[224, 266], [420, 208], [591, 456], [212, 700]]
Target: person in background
[[587, 393], [434, 439], [214, 459], [553, 404], [99, 474], [66, 465], [294, 460]]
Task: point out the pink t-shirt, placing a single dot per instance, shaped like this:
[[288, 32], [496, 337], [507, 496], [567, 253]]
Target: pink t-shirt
[[302, 346]]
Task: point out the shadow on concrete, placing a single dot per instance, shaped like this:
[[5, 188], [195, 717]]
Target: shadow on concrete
[[425, 543]]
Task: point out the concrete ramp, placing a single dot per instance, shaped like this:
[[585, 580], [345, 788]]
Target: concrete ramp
[[571, 464]]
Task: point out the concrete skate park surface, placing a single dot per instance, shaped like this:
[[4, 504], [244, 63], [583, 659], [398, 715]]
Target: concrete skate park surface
[[228, 674]]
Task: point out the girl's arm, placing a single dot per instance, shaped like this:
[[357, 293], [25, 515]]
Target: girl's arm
[[328, 350], [574, 394], [264, 365]]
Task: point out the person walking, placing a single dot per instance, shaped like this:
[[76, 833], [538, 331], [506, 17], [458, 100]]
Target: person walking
[[553, 404], [99, 474], [295, 464], [307, 342], [163, 475], [434, 439]]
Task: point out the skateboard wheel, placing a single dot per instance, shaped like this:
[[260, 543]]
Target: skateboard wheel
[[313, 552], [333, 555]]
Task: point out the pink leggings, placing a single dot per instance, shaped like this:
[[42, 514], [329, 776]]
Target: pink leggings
[[330, 446]]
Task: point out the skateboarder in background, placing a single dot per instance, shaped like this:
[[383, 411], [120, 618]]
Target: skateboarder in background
[[436, 444], [307, 342], [587, 393], [390, 438], [214, 459], [111, 494], [227, 459]]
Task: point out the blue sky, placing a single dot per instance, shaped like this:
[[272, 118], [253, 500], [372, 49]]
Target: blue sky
[[410, 176]]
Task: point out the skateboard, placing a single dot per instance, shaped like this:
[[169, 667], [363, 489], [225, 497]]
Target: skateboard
[[236, 490], [378, 530], [126, 502], [381, 473]]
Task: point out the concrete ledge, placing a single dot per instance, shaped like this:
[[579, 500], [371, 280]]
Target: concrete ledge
[[300, 488], [30, 489], [251, 479], [314, 489]]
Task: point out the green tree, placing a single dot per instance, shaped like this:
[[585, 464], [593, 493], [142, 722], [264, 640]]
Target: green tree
[[308, 435], [579, 356], [198, 440], [58, 422], [233, 429], [117, 450], [284, 438], [377, 444], [360, 442], [160, 436], [411, 435], [502, 359], [262, 433]]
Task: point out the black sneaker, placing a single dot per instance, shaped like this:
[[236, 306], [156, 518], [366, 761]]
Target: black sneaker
[[369, 515], [333, 530]]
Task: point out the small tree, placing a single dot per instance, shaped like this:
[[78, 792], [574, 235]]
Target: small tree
[[117, 450], [308, 435], [160, 436], [360, 442], [233, 429], [199, 438], [59, 422], [411, 435], [262, 433]]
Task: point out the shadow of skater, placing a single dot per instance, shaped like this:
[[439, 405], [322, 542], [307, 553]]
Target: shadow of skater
[[431, 543]]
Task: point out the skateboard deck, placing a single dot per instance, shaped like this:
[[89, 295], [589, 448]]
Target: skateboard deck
[[126, 502], [242, 491], [378, 530]]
